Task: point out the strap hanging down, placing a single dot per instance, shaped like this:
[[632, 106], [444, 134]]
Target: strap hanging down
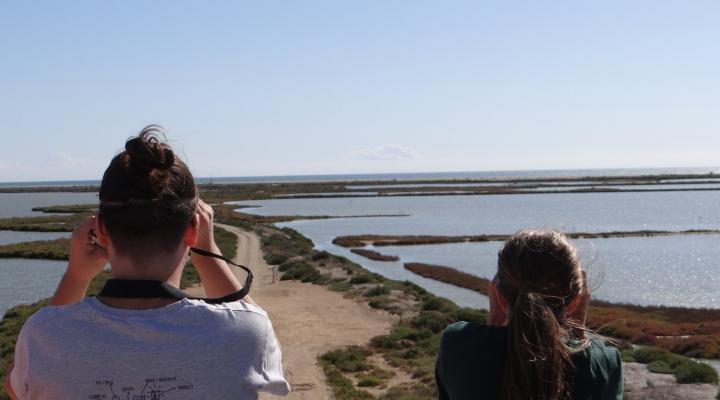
[[143, 289]]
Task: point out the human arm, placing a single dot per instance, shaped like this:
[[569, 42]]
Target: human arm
[[578, 315], [87, 260], [8, 383], [217, 278]]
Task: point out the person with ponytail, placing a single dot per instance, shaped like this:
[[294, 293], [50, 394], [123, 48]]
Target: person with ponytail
[[535, 346], [141, 337]]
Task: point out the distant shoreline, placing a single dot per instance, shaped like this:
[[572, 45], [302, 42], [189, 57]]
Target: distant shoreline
[[411, 176]]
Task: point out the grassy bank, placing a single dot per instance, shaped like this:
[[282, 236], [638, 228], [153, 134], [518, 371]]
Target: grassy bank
[[450, 275], [374, 255]]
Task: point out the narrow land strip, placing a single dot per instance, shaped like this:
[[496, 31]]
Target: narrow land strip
[[308, 319]]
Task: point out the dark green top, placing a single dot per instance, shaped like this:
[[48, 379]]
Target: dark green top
[[471, 358]]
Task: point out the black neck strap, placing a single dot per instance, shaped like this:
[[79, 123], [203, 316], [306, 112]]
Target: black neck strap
[[144, 289]]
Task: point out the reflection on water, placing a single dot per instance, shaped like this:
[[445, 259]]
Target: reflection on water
[[27, 281]]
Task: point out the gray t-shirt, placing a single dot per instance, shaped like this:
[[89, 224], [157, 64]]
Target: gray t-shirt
[[186, 350]]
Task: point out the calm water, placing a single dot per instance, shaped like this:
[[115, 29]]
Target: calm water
[[455, 215], [8, 237], [27, 281], [21, 204], [668, 270]]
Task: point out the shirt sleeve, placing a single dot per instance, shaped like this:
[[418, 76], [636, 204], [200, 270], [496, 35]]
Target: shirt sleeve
[[19, 373], [272, 369], [442, 393], [618, 376]]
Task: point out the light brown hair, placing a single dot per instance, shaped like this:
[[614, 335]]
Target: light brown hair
[[539, 274]]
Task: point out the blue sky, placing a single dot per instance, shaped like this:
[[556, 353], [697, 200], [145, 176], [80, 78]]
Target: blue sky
[[320, 87]]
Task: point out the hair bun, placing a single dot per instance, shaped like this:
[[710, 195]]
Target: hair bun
[[148, 150]]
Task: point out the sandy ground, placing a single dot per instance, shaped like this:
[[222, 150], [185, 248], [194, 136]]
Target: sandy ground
[[308, 319], [643, 384]]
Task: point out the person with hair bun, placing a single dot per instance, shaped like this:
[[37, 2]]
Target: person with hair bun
[[535, 346], [142, 338]]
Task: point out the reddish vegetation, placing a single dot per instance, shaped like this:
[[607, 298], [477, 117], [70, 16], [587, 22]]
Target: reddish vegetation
[[414, 240], [374, 255], [687, 331], [692, 332], [450, 275]]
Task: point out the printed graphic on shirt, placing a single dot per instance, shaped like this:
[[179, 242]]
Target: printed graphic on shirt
[[152, 389]]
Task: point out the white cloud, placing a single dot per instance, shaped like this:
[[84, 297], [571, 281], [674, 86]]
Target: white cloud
[[387, 152]]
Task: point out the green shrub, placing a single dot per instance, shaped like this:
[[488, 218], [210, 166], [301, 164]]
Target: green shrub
[[686, 370], [369, 381], [342, 286], [649, 354], [438, 304], [379, 290], [659, 367], [381, 303], [320, 255], [432, 320], [301, 271], [360, 279], [471, 315], [696, 372], [341, 386], [275, 259], [351, 359], [628, 356]]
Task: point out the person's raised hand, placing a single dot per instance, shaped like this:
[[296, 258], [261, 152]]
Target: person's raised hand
[[206, 237], [579, 314], [87, 256], [498, 311]]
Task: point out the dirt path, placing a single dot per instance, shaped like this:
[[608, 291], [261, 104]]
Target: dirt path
[[308, 320]]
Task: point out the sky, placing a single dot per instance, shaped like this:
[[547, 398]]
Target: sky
[[329, 87]]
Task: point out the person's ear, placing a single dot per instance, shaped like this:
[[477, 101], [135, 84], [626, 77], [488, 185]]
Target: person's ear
[[101, 233], [191, 233], [573, 305], [502, 301]]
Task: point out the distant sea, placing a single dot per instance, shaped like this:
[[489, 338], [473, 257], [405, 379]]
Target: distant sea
[[551, 173]]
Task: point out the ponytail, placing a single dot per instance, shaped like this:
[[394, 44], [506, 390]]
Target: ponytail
[[536, 357]]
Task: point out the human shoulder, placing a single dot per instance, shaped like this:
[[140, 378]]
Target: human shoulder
[[51, 314], [603, 355], [470, 330], [234, 307], [462, 336]]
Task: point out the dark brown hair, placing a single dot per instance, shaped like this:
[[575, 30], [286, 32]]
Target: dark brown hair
[[539, 274], [147, 196]]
